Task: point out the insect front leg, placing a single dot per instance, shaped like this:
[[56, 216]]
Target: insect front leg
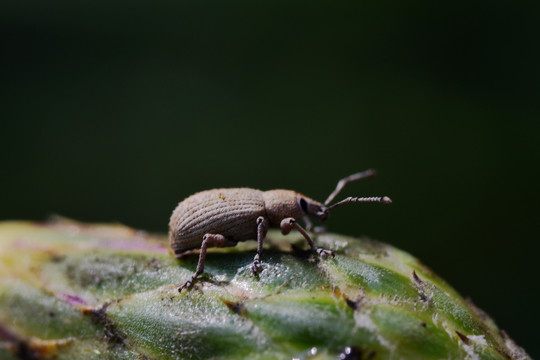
[[307, 223], [310, 227], [262, 228], [209, 240], [288, 224]]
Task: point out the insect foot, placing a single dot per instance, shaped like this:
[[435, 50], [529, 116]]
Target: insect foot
[[187, 285], [323, 253], [256, 266]]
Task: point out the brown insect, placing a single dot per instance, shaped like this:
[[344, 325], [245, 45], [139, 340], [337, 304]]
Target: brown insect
[[223, 217]]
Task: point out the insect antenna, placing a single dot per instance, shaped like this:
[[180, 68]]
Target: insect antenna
[[341, 183], [377, 199]]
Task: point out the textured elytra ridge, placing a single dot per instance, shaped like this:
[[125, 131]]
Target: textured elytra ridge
[[77, 291]]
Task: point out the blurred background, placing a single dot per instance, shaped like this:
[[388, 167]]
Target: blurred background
[[114, 111]]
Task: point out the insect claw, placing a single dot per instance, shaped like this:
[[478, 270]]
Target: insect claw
[[323, 253], [188, 284], [256, 267]]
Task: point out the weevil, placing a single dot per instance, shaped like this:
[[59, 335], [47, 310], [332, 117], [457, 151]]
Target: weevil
[[223, 217]]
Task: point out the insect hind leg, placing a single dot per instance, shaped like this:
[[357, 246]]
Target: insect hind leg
[[209, 240]]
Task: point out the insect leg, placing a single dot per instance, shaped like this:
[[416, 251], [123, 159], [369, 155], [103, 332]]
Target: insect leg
[[307, 223], [288, 224], [310, 227], [262, 228], [209, 240]]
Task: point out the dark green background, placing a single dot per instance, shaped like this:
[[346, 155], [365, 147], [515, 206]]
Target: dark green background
[[117, 110]]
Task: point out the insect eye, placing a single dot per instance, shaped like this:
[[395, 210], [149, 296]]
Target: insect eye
[[303, 205]]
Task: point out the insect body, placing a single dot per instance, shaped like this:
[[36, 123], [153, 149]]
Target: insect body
[[223, 217]]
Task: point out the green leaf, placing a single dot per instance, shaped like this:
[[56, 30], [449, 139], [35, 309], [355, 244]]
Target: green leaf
[[77, 291]]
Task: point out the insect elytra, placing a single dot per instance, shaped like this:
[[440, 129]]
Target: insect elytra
[[224, 217]]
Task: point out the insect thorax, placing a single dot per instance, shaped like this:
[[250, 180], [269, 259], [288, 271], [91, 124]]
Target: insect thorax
[[280, 204]]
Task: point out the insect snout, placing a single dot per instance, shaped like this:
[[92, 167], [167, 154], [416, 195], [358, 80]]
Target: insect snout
[[322, 214]]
